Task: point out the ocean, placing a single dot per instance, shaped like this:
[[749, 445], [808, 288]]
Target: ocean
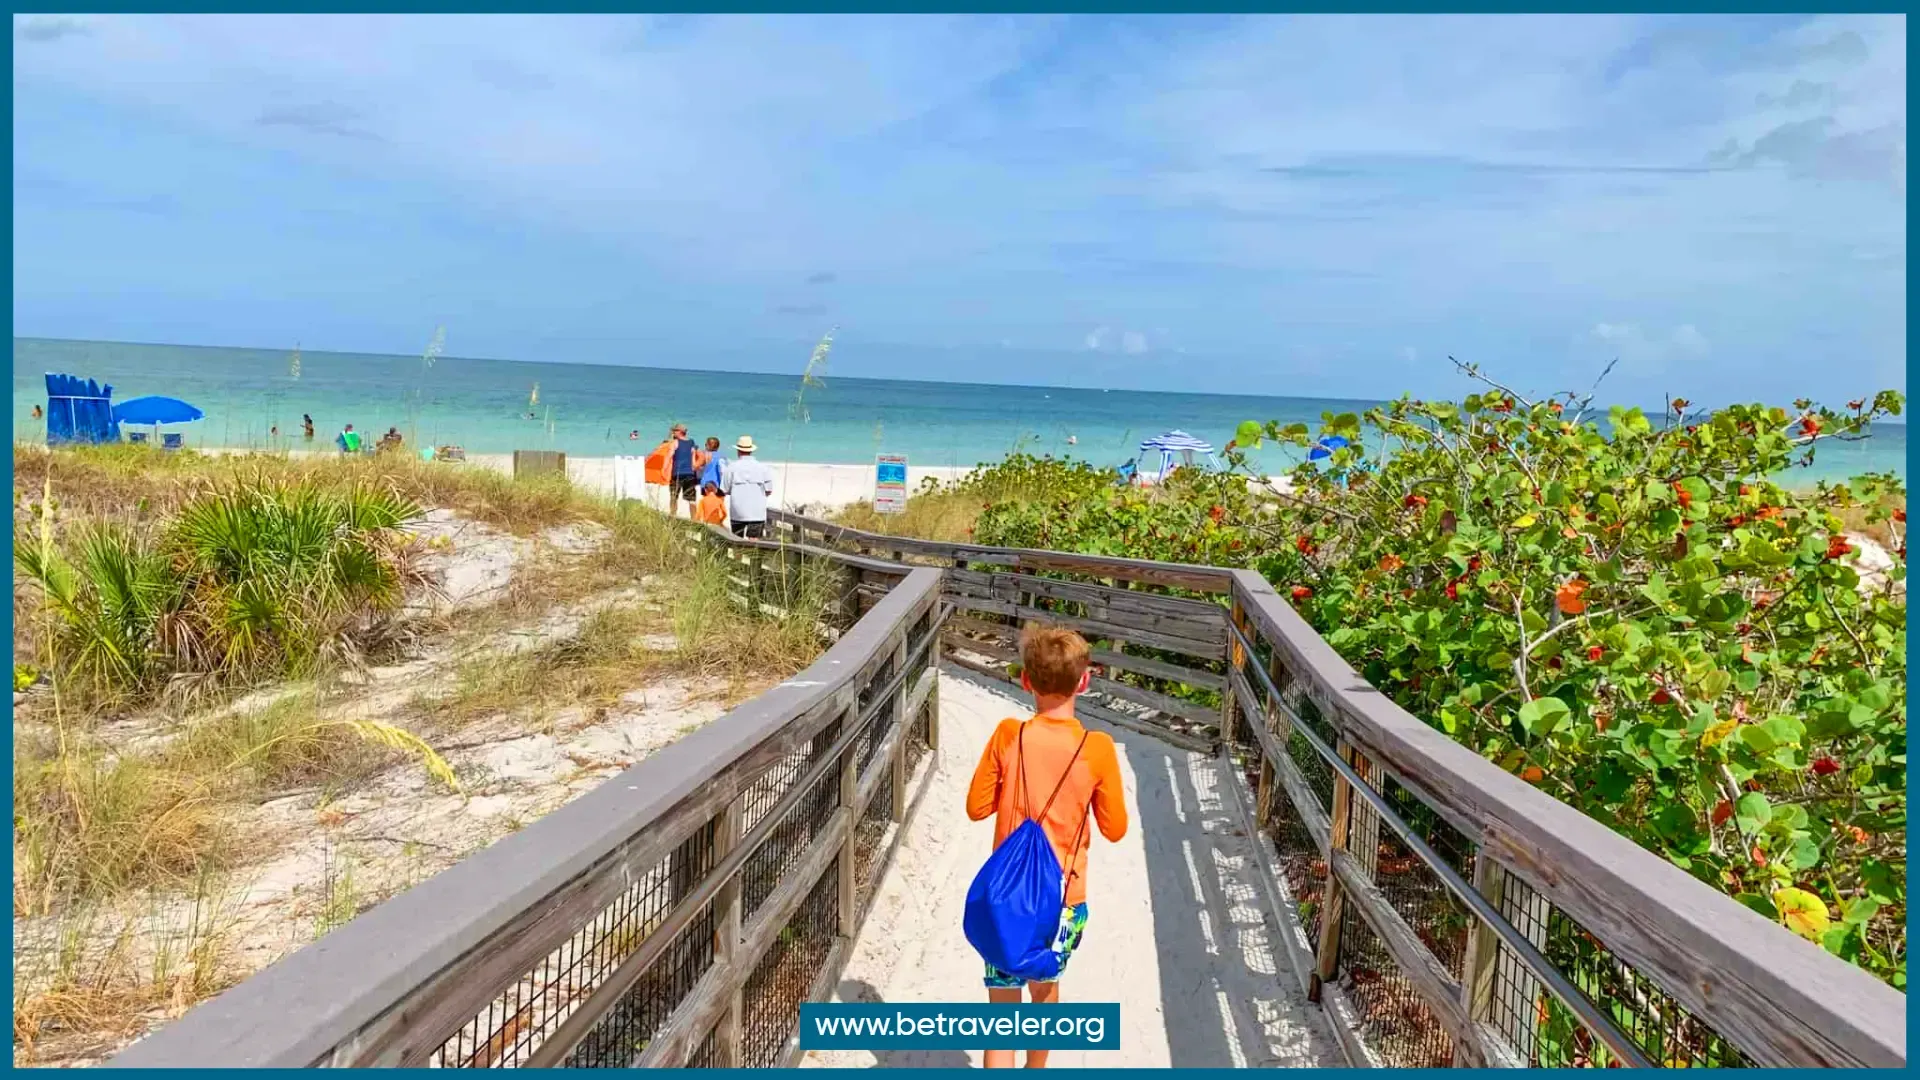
[[589, 410]]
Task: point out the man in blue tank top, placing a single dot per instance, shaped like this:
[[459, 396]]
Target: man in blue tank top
[[683, 485]]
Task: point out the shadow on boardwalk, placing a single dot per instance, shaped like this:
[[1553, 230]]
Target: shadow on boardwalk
[[1177, 933]]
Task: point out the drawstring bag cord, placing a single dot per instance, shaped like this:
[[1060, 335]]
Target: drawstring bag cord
[[1073, 850]]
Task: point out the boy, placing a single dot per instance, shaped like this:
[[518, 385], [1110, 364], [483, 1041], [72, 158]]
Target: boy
[[1051, 748], [713, 508]]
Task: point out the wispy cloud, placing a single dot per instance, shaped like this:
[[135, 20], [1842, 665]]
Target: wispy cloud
[[822, 277], [44, 28], [318, 118]]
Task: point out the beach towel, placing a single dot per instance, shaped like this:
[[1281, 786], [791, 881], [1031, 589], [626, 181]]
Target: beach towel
[[1018, 900], [660, 463]]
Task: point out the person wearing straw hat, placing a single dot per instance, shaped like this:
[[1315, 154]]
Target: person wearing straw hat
[[747, 485]]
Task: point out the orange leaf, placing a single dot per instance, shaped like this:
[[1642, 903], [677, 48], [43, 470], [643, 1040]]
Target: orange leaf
[[1568, 597]]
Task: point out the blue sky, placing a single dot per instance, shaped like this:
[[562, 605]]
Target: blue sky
[[1288, 205]]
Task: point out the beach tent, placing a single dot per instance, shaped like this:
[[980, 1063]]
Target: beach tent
[[79, 411], [1181, 443]]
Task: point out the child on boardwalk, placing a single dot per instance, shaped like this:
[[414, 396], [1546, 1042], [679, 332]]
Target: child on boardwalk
[[1075, 775]]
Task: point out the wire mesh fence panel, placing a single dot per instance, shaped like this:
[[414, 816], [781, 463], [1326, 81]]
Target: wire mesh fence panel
[[767, 790], [630, 1025], [529, 1010], [1394, 1020], [919, 735], [1298, 859], [1437, 916], [781, 980], [1548, 1035], [876, 682], [793, 834], [867, 835]]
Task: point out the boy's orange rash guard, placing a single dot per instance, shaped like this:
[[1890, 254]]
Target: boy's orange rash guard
[[1050, 743]]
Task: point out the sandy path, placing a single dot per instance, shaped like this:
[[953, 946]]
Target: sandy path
[[1176, 931]]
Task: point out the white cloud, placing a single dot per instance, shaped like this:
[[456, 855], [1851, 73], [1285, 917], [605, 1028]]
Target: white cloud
[[1633, 343], [1098, 337], [1133, 342], [1687, 339]]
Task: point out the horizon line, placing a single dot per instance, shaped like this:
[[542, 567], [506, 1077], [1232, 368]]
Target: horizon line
[[1646, 408]]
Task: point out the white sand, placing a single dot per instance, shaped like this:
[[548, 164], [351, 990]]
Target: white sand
[[1177, 930]]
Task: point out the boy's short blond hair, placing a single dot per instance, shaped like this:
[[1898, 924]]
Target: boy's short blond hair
[[1053, 658]]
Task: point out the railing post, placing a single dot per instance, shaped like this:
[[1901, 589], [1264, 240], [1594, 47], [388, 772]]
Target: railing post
[[1230, 706], [726, 1034], [1333, 906], [1491, 989], [933, 692], [898, 810], [1277, 723], [849, 792]]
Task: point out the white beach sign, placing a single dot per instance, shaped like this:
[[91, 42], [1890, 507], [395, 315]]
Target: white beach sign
[[890, 483]]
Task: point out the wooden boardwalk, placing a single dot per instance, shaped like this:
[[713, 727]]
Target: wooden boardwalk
[[1178, 930]]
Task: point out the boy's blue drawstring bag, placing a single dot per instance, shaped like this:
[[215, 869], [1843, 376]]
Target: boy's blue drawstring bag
[[1016, 901]]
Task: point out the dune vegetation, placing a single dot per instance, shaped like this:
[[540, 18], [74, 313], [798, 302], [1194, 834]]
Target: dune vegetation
[[201, 639]]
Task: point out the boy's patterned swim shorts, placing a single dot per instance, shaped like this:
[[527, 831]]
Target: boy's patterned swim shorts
[[1068, 940]]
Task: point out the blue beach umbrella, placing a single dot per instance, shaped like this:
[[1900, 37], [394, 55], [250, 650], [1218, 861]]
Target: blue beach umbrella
[[1326, 447], [155, 410]]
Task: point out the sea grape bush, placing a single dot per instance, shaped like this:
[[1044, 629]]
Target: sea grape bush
[[1638, 620]]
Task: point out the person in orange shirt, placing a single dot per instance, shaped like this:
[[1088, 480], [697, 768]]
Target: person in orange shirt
[[713, 508], [1057, 750]]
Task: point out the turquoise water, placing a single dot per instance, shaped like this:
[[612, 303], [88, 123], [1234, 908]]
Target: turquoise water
[[588, 410]]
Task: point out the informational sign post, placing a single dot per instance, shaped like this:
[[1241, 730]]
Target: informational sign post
[[890, 484]]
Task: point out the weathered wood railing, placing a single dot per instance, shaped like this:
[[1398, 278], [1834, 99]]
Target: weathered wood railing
[[1161, 627], [676, 915], [1448, 913]]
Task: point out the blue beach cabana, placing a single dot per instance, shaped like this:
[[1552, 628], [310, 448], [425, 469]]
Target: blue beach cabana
[[1181, 444], [79, 411]]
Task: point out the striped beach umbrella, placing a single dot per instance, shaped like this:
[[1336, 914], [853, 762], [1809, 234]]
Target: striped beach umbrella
[[1181, 443]]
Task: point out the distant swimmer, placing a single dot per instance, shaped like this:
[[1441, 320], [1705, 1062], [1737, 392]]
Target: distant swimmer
[[634, 435], [37, 414], [306, 423], [1073, 440]]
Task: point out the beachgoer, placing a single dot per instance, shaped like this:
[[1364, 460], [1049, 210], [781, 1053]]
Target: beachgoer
[[747, 485], [306, 422], [37, 414], [392, 439], [1075, 773], [715, 470], [348, 440], [634, 435], [713, 508], [683, 484]]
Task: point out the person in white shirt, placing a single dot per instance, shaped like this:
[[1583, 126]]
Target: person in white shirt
[[747, 485]]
